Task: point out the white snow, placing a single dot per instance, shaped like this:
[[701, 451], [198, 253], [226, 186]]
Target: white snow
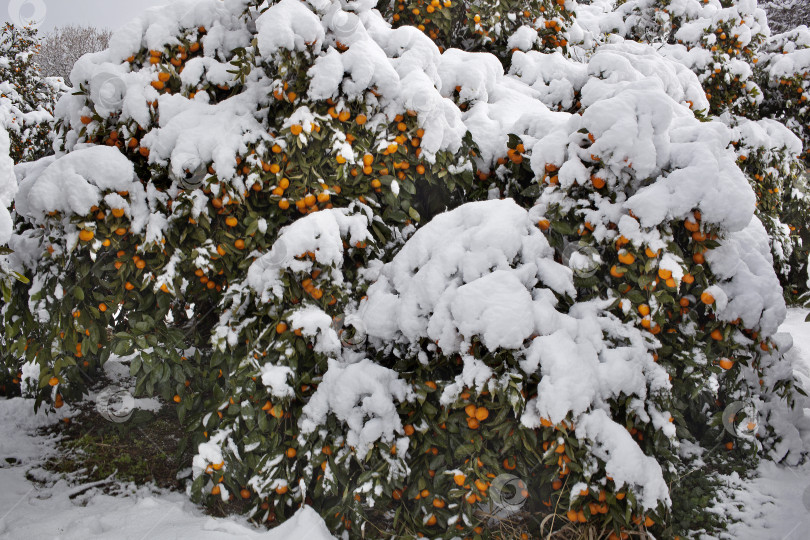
[[56, 509], [8, 186]]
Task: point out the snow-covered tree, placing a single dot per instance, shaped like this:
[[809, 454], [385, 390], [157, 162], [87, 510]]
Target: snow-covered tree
[[382, 280], [26, 98], [62, 46], [785, 15]]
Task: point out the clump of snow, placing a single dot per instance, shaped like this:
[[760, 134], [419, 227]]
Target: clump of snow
[[75, 182], [744, 266], [320, 233], [8, 186], [364, 396]]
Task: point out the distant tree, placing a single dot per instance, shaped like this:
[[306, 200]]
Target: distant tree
[[27, 98], [784, 15], [66, 44]]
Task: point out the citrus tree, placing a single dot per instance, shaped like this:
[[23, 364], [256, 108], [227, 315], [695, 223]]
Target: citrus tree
[[746, 76], [390, 282], [499, 28], [26, 97]]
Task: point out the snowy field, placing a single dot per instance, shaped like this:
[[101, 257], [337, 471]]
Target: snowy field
[[773, 506]]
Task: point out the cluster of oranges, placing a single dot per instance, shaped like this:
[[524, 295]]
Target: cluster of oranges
[[452, 23]]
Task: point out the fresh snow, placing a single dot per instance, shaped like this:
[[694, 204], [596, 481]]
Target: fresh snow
[[53, 508], [773, 505]]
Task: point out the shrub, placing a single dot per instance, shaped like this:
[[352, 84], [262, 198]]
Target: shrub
[[284, 211]]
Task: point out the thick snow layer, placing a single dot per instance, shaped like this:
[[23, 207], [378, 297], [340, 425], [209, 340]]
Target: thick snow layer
[[363, 396], [485, 270], [75, 182], [454, 280], [744, 265], [8, 186], [320, 233]]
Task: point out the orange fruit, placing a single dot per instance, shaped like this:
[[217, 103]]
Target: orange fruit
[[215, 490], [53, 381], [716, 334], [472, 423], [726, 363], [663, 273], [409, 430], [177, 399], [544, 224], [281, 328], [481, 414], [627, 258], [431, 521], [231, 221], [707, 298], [239, 244], [86, 236], [102, 307], [291, 452], [244, 493], [470, 410], [459, 479], [644, 310], [118, 212], [281, 490], [295, 129]]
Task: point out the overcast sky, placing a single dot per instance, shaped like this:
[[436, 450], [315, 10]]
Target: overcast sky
[[100, 13]]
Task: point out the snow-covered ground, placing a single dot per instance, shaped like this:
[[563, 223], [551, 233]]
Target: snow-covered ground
[[59, 510], [773, 506], [776, 504]]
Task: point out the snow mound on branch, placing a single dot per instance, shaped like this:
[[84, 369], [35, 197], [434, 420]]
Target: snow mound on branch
[[478, 284], [768, 135], [289, 25], [8, 186], [744, 264], [75, 182], [624, 460], [320, 233], [362, 396]]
